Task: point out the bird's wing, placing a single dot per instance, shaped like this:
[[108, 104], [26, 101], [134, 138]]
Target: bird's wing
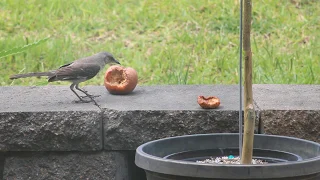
[[75, 72], [65, 65]]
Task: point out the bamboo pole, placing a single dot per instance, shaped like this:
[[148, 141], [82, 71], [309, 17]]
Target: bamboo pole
[[249, 114]]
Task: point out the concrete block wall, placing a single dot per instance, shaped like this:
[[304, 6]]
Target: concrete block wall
[[45, 134]]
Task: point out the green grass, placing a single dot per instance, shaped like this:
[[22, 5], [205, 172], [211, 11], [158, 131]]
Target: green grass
[[167, 41]]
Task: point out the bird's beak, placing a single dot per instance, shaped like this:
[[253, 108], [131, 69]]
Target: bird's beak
[[116, 61]]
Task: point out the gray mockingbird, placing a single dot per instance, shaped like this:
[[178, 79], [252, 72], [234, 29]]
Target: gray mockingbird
[[76, 72]]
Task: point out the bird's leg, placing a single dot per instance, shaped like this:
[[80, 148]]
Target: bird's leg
[[72, 89], [88, 95], [85, 92]]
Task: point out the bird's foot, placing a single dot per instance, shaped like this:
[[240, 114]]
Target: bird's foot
[[83, 101], [89, 95]]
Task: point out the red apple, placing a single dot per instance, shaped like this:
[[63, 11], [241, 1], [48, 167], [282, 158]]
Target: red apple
[[120, 80], [208, 102]]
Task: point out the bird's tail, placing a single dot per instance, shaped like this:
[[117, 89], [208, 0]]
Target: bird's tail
[[33, 74]]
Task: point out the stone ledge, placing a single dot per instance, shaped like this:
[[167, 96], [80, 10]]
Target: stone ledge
[[155, 112], [287, 97], [66, 165], [129, 129], [169, 97], [303, 124], [289, 110], [46, 118], [41, 99], [50, 131]]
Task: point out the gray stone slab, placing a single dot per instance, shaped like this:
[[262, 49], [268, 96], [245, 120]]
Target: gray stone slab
[[75, 165], [50, 131], [40, 99], [155, 112], [46, 118], [168, 97], [291, 110], [303, 124], [287, 97], [126, 130], [1, 164], [35, 116]]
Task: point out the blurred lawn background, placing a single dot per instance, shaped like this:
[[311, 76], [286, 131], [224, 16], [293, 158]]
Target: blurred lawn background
[[166, 41]]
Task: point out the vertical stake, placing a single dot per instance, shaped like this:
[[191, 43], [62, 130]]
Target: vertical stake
[[249, 114], [240, 80]]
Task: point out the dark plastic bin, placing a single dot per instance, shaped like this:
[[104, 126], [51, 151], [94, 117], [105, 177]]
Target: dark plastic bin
[[174, 158]]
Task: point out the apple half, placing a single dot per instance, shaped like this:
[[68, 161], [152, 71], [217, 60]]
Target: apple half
[[209, 102], [120, 80]]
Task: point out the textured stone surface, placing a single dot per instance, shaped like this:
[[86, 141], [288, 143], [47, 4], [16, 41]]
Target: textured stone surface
[[290, 110], [296, 123], [129, 129], [155, 112], [1, 164], [47, 118], [76, 165], [50, 131]]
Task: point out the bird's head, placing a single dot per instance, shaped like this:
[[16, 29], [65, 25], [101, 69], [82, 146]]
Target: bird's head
[[108, 58]]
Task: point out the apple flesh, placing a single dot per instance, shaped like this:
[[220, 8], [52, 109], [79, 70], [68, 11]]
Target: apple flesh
[[210, 102], [120, 80]]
